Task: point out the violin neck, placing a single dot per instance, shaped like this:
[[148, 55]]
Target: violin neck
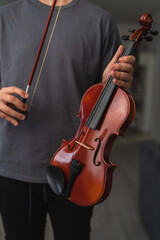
[[106, 95]]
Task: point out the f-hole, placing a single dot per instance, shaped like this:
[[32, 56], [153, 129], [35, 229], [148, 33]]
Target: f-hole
[[96, 152]]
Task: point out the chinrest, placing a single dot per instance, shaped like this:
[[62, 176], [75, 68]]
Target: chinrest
[[55, 179]]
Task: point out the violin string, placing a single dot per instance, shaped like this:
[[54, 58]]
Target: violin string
[[107, 88], [46, 52]]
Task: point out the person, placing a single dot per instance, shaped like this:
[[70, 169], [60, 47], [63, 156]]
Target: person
[[84, 42]]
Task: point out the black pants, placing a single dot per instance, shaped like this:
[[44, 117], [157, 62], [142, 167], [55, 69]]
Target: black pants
[[23, 207]]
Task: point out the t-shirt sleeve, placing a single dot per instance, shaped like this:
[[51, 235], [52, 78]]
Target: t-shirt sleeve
[[110, 44]]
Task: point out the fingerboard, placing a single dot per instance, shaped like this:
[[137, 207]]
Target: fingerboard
[[106, 95]]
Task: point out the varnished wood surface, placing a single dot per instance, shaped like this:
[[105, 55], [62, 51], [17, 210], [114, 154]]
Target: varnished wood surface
[[93, 184], [118, 217]]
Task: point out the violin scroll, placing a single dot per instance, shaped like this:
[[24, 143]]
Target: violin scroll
[[146, 20]]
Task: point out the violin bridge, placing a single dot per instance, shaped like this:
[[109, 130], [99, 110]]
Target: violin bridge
[[85, 146]]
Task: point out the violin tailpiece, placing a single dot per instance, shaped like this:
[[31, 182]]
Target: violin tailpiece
[[75, 170]]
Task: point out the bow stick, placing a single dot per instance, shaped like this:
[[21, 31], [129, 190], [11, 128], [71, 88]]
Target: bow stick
[[39, 52]]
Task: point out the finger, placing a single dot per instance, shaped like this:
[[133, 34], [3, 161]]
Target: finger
[[123, 76], [8, 118], [123, 67], [7, 98], [117, 54], [122, 84], [14, 90], [10, 112], [127, 59]]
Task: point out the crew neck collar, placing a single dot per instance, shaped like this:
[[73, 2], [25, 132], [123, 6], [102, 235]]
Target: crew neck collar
[[43, 5]]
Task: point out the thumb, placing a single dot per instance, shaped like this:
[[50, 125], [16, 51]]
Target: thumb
[[117, 54]]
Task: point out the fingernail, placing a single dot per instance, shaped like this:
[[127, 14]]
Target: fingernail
[[23, 117], [113, 73], [114, 80], [15, 123], [26, 95]]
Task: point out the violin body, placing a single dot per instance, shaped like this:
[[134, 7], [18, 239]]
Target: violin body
[[93, 183]]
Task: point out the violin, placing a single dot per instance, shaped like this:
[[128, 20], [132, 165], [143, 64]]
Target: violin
[[81, 169]]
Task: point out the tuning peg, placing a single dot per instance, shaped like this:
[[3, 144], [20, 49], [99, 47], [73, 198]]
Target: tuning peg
[[125, 37], [148, 38], [154, 33], [131, 30]]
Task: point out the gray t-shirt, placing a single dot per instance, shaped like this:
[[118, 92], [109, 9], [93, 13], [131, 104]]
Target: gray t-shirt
[[84, 41]]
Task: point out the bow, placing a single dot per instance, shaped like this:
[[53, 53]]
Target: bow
[[39, 53]]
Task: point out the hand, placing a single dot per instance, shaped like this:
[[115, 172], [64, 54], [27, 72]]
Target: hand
[[122, 71], [7, 101]]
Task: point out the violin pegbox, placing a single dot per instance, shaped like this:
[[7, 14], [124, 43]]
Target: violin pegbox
[[143, 33]]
